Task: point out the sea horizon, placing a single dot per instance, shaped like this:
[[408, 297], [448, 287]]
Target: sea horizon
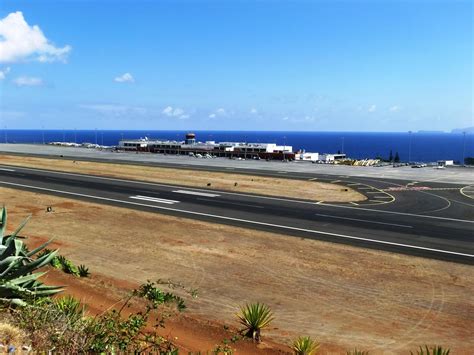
[[423, 146]]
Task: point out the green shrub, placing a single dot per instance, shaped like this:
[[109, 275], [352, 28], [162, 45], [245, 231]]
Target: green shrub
[[357, 352], [83, 271], [254, 317], [61, 324], [305, 346], [434, 350]]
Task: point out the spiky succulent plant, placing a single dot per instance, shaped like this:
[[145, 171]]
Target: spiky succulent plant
[[18, 282]]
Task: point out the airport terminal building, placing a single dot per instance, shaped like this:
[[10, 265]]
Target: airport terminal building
[[210, 148]]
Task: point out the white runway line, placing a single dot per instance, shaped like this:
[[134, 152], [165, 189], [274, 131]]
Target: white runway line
[[154, 199], [252, 222], [364, 220], [187, 192], [5, 169]]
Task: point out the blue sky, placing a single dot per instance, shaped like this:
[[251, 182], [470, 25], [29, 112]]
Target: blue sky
[[238, 65]]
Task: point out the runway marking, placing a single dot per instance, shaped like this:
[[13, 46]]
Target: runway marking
[[5, 169], [154, 199], [408, 188], [466, 191], [231, 203], [312, 179], [353, 203], [400, 213], [187, 192], [364, 220], [354, 184], [168, 185], [381, 196], [335, 181], [408, 246]]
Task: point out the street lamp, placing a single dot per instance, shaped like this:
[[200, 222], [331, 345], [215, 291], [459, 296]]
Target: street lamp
[[463, 148], [409, 147]]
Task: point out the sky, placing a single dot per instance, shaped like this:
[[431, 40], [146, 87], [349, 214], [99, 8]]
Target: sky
[[297, 65]]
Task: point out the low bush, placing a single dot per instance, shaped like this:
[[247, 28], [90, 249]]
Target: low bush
[[254, 317], [62, 324], [305, 346]]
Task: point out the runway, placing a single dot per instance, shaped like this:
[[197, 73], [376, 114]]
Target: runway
[[433, 220]]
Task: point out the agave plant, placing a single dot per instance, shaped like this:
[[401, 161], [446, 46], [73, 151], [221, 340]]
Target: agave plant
[[435, 350], [305, 346], [254, 317], [17, 280], [83, 271], [357, 352]]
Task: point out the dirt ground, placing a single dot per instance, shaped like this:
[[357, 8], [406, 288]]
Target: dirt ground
[[343, 296], [309, 190]]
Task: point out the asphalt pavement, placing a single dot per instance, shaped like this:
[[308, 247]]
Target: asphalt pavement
[[428, 219]]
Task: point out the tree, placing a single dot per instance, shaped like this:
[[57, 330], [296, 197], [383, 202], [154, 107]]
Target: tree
[[469, 161], [397, 158], [390, 157]]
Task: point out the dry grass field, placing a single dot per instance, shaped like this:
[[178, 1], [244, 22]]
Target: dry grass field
[[343, 296], [309, 190]]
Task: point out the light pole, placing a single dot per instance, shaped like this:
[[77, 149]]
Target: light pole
[[409, 147], [342, 146], [96, 136], [463, 148]]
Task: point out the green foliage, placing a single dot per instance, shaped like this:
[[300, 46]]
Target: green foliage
[[61, 324], [66, 265], [70, 307], [469, 161], [434, 350], [83, 271], [305, 346], [18, 283], [357, 352], [254, 317]]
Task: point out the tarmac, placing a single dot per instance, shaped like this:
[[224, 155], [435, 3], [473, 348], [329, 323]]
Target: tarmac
[[450, 175]]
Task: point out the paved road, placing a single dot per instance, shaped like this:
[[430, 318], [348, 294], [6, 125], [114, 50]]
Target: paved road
[[433, 220]]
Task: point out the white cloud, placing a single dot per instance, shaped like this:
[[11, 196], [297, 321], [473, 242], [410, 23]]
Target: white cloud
[[4, 72], [175, 112], [125, 78], [115, 110], [372, 108], [220, 112], [253, 111], [19, 41], [28, 81], [394, 108]]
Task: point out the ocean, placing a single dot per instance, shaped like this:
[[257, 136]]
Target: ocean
[[424, 147]]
